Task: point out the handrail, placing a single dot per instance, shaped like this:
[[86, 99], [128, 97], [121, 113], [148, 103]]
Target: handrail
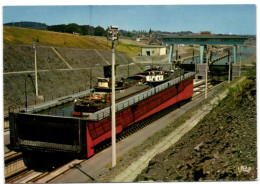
[[104, 113]]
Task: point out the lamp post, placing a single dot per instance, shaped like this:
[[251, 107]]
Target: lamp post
[[240, 49], [35, 61], [25, 93], [229, 67], [112, 35], [206, 75]]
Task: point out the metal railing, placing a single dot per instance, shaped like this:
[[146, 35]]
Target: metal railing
[[48, 145], [104, 113]]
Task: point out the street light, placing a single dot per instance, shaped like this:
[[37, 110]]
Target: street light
[[229, 67], [25, 91], [113, 35], [35, 61], [206, 75]]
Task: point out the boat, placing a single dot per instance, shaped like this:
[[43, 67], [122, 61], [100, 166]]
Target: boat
[[126, 87], [38, 136]]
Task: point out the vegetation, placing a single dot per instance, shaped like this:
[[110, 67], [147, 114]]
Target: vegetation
[[251, 72], [27, 24], [77, 29], [24, 36], [221, 147]]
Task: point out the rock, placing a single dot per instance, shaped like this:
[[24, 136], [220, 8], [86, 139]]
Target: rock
[[197, 148], [216, 155]]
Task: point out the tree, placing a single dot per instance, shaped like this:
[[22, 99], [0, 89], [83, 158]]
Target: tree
[[57, 28], [85, 29], [99, 31], [150, 31], [128, 34], [73, 28]]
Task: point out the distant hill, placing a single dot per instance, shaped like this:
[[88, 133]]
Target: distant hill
[[27, 24], [25, 36]]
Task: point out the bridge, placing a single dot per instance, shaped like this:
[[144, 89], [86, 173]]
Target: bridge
[[204, 40]]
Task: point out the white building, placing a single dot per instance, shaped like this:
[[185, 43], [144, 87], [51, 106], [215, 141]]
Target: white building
[[153, 51]]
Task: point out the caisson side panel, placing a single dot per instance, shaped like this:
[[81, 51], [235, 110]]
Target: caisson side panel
[[100, 131], [38, 132]]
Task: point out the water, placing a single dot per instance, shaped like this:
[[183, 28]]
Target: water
[[65, 110], [243, 54]]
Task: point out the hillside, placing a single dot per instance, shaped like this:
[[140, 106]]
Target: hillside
[[221, 147], [86, 56], [24, 36], [28, 24], [55, 78]]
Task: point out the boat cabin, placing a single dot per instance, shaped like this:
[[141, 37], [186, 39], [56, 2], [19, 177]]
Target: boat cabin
[[155, 75], [103, 83]]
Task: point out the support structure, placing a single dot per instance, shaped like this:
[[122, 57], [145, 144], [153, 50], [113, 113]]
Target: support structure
[[171, 53], [113, 109], [112, 35], [206, 76], [25, 89], [201, 53], [35, 62], [235, 53], [229, 67], [203, 40], [240, 50]]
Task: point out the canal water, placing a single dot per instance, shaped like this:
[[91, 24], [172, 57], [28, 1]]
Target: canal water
[[243, 54], [220, 67], [64, 110]]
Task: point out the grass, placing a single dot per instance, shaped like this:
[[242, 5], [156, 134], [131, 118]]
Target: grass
[[24, 36]]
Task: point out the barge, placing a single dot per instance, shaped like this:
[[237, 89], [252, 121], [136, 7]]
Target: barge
[[78, 136]]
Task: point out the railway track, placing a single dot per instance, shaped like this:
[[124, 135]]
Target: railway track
[[14, 165], [24, 175]]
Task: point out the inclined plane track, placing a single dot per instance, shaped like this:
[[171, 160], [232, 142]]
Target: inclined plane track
[[26, 175]]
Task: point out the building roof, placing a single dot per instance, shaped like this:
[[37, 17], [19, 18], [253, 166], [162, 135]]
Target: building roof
[[154, 46]]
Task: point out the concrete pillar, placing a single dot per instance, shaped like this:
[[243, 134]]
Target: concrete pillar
[[201, 53], [235, 53], [171, 53]]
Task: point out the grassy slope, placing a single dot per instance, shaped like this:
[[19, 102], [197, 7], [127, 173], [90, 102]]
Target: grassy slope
[[23, 36]]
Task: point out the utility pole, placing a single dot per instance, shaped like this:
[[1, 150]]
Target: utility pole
[[35, 61], [128, 69], [25, 90], [229, 68], [206, 76], [90, 84], [240, 48], [113, 35]]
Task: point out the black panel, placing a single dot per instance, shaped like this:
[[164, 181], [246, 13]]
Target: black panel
[[48, 129]]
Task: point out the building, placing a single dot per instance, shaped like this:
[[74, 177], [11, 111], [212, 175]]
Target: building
[[153, 51]]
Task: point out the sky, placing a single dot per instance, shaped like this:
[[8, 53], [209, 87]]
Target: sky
[[225, 19]]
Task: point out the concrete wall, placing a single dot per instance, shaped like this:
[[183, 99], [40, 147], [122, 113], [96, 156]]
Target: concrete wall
[[236, 71], [152, 59], [165, 66]]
